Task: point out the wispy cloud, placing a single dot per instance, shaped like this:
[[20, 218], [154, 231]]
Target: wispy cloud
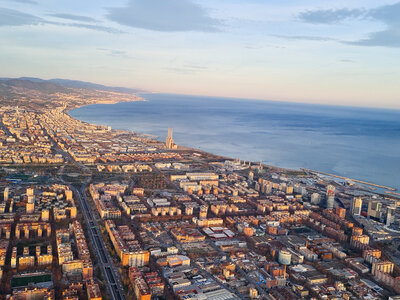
[[306, 37], [330, 16], [114, 52], [92, 27], [165, 15], [73, 17], [386, 38], [11, 17], [387, 14], [186, 69], [389, 37], [25, 1]]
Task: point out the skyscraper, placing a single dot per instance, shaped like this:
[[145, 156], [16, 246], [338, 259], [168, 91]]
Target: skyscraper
[[356, 206], [6, 194], [390, 214], [251, 175], [169, 141], [330, 196], [374, 209]]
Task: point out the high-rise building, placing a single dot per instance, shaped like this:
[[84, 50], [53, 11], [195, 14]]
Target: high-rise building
[[30, 207], [330, 196], [251, 175], [374, 209], [390, 214], [169, 141], [6, 194], [356, 206], [30, 192]]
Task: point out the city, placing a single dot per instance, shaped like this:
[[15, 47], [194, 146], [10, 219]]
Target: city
[[89, 212], [199, 150]]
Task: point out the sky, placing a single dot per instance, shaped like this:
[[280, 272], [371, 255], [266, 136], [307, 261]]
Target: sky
[[344, 52]]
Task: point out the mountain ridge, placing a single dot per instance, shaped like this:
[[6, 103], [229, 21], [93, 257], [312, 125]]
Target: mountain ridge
[[35, 83]]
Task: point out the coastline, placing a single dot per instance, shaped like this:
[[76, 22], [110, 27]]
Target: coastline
[[366, 185], [66, 109], [180, 147]]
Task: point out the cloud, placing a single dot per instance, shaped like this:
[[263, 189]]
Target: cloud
[[386, 38], [91, 27], [25, 1], [305, 37], [113, 52], [187, 69], [164, 15], [330, 16], [387, 14], [73, 17], [11, 17], [389, 37]]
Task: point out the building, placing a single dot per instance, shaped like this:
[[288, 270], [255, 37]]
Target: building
[[6, 191], [341, 212], [169, 141], [315, 199], [129, 251], [356, 206], [374, 209], [330, 196], [284, 257], [93, 291], [33, 294], [140, 286], [382, 266], [390, 215]]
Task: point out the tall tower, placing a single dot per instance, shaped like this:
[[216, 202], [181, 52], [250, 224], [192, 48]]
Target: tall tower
[[6, 194], [30, 192], [169, 141], [251, 176], [356, 206], [330, 196], [390, 215]]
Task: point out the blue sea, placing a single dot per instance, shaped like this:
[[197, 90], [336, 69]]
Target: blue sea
[[359, 143]]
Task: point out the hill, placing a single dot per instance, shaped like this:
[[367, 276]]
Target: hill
[[36, 93]]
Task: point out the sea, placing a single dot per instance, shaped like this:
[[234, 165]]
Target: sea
[[359, 143]]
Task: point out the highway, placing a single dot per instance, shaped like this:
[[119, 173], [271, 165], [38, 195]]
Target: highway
[[110, 272]]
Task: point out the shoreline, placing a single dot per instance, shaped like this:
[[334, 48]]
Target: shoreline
[[66, 110], [387, 189]]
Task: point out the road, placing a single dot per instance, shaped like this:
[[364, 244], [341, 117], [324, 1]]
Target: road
[[110, 272]]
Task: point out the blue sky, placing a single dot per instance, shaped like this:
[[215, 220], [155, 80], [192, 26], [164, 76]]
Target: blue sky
[[326, 51]]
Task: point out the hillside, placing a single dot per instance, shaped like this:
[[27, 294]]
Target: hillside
[[38, 94]]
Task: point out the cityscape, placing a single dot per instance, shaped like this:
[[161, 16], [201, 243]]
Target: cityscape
[[89, 212], [199, 150]]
